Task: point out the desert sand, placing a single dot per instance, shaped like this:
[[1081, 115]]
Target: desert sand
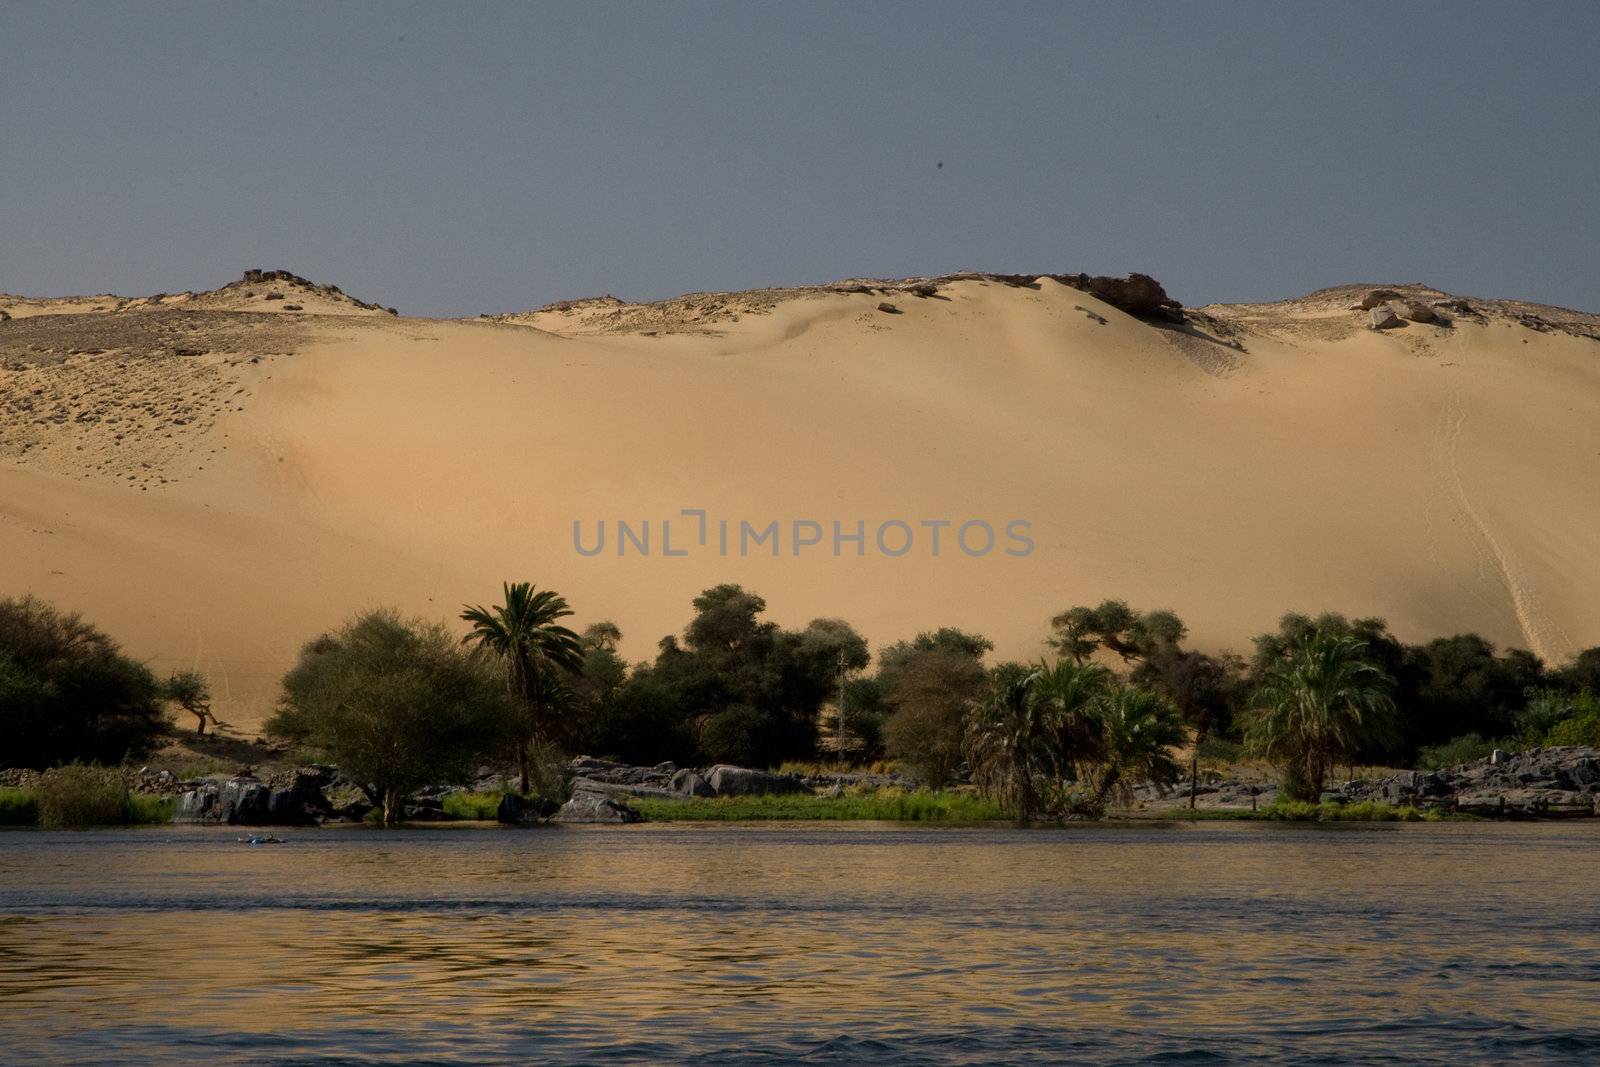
[[216, 477]]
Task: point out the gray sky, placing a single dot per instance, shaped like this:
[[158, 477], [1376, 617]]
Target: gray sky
[[460, 158]]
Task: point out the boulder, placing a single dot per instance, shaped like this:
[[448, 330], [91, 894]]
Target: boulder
[[1375, 297], [690, 784], [1384, 318], [623, 789], [595, 808], [729, 781], [888, 308], [1412, 312]]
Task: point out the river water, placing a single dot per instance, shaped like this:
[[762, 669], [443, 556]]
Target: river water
[[1207, 943]]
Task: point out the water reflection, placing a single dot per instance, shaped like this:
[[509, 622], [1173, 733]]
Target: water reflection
[[1462, 942]]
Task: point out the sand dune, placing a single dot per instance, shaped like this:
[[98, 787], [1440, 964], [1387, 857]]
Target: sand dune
[[215, 479]]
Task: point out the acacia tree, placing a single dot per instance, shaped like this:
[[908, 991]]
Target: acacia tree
[[534, 650], [1319, 702], [397, 704], [189, 691]]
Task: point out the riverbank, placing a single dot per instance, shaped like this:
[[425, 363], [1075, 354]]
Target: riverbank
[[1539, 784]]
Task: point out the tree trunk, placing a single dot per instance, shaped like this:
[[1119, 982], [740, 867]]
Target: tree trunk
[[1194, 773], [391, 807], [522, 757], [200, 727]]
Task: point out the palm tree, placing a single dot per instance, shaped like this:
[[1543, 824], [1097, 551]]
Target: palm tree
[[1033, 733], [524, 634], [1138, 728], [1319, 703]]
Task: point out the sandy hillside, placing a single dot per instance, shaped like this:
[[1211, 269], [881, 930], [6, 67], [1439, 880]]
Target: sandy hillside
[[215, 477]]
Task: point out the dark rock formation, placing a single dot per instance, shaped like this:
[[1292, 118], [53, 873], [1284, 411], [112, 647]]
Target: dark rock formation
[[516, 810], [730, 781], [1539, 783], [247, 801]]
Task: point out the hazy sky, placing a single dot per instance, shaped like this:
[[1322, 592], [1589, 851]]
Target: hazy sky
[[452, 159]]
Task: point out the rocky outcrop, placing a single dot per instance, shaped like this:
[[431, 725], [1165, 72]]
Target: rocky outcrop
[[1376, 297], [245, 800], [727, 780], [595, 808], [690, 784], [1383, 317], [1138, 294], [1539, 783]]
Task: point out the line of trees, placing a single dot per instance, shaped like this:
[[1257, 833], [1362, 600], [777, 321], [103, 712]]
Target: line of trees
[[401, 702]]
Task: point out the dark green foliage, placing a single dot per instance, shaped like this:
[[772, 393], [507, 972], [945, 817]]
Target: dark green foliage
[[1066, 740], [1456, 751], [396, 704], [1583, 673], [189, 691], [736, 689], [68, 693], [1458, 685], [1582, 727], [538, 657], [1114, 626], [932, 683], [1320, 701]]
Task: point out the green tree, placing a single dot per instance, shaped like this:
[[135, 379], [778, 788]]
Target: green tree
[[189, 691], [533, 650], [931, 682], [1319, 702], [68, 693], [1138, 728], [1204, 689], [1114, 626], [397, 704], [1026, 739]]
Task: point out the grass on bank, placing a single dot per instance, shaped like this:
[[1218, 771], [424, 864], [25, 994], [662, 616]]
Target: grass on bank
[[1304, 811], [480, 807], [80, 795], [883, 806]]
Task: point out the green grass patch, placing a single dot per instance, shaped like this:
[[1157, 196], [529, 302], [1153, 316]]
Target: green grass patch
[[145, 808], [18, 808], [1367, 811], [482, 807], [884, 806]]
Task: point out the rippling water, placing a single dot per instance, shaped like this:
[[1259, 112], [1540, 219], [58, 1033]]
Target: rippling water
[[1181, 943]]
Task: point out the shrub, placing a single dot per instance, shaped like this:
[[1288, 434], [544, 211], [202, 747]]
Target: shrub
[[1578, 730], [1219, 750], [18, 808], [143, 808], [79, 795], [1456, 751], [481, 807]]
